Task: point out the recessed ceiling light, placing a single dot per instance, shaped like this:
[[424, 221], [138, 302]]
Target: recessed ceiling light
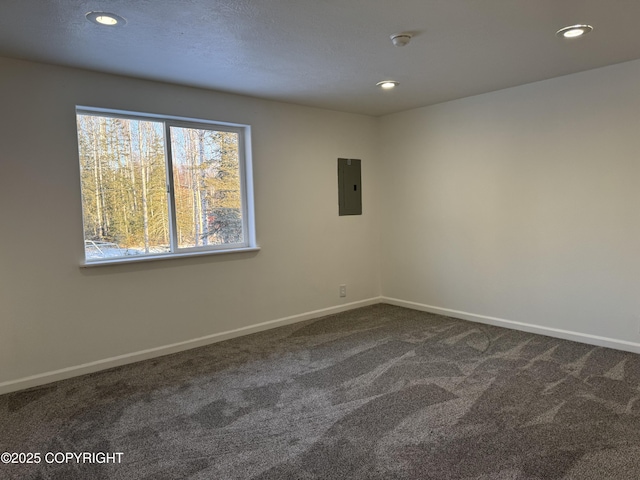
[[574, 31], [106, 19], [387, 84]]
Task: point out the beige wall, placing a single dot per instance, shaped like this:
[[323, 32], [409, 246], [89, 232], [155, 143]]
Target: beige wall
[[517, 207], [522, 204], [55, 315]]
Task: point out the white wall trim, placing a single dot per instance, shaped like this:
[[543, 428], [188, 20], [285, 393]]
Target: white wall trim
[[525, 327], [77, 370]]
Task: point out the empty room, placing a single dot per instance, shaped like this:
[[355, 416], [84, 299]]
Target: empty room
[[308, 239]]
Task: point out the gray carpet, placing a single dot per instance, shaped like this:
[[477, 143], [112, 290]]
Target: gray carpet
[[380, 392]]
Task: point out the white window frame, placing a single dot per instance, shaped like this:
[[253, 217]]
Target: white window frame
[[246, 186]]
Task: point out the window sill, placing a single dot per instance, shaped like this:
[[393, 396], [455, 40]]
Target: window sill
[[166, 256]]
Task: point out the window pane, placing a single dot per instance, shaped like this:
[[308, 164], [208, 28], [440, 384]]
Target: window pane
[[206, 176], [124, 198]]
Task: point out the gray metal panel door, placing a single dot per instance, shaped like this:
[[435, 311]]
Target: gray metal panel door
[[349, 187]]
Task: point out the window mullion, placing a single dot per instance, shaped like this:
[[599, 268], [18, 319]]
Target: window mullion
[[173, 227], [247, 233]]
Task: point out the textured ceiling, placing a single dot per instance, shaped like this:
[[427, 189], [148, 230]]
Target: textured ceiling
[[327, 53]]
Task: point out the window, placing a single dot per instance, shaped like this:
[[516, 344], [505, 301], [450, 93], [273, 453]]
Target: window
[[162, 186]]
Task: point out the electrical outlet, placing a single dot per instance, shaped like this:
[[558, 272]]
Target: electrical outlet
[[343, 290]]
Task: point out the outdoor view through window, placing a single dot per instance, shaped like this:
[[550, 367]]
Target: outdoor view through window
[[152, 186]]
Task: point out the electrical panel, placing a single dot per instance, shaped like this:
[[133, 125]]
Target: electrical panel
[[349, 187]]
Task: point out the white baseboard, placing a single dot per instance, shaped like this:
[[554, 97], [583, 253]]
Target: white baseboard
[[74, 371], [525, 327], [64, 373]]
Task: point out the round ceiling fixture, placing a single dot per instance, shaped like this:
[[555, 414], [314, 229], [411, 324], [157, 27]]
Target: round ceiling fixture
[[574, 31], [387, 84], [400, 39], [106, 19]]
